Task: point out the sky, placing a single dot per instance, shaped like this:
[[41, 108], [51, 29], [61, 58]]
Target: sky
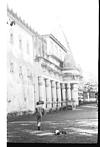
[[78, 19]]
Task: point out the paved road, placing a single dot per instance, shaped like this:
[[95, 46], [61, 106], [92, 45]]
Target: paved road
[[81, 126]]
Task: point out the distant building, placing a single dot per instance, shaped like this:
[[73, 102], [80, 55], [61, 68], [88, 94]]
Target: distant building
[[89, 92], [38, 68]]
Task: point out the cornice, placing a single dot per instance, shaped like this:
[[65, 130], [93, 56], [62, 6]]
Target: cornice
[[56, 41], [38, 58], [18, 18], [54, 57]]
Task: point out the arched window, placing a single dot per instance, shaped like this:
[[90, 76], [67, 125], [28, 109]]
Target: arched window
[[20, 43], [11, 67], [11, 38]]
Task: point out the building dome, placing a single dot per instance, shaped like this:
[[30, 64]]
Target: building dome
[[69, 62]]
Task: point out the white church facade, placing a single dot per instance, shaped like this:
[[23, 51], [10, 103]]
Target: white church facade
[[39, 67]]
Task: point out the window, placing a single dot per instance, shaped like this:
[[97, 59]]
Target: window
[[20, 72], [20, 43], [11, 38], [44, 49], [27, 47], [11, 67], [39, 47], [28, 73], [35, 42]]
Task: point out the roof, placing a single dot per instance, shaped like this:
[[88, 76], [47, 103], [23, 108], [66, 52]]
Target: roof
[[22, 22]]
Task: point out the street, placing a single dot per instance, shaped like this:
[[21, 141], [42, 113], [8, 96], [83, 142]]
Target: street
[[81, 126]]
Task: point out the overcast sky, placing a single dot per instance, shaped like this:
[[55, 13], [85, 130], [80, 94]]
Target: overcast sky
[[78, 19]]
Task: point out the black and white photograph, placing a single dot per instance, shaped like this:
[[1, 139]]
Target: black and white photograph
[[52, 71]]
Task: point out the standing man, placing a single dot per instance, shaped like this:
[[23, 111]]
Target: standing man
[[39, 113]]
